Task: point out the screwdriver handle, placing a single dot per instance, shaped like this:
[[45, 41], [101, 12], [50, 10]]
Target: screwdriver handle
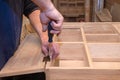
[[50, 36]]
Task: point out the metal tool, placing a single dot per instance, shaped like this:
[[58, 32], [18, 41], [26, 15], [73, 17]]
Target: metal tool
[[46, 59], [50, 40]]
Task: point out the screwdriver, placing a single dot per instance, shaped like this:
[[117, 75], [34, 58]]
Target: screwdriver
[[50, 40]]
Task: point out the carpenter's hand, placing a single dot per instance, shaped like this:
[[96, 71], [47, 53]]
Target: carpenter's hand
[[54, 16], [51, 49]]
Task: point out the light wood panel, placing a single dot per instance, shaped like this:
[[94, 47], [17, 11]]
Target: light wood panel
[[27, 59]]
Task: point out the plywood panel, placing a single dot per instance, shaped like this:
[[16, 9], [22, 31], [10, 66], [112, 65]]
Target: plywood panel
[[27, 59]]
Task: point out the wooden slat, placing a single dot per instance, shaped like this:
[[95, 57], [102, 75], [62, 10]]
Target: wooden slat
[[87, 55]]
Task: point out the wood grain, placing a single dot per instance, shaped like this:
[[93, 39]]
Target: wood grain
[[27, 59]]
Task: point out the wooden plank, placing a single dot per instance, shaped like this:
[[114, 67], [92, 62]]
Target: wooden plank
[[27, 59], [82, 74], [108, 65], [87, 55]]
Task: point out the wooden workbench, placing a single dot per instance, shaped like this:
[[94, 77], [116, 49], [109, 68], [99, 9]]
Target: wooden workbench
[[88, 51]]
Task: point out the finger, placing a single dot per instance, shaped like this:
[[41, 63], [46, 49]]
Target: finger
[[50, 51], [55, 51], [54, 32], [54, 56], [44, 27], [59, 33], [57, 25], [45, 51]]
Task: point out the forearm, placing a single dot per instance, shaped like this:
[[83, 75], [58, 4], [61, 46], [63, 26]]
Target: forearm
[[44, 4], [35, 21]]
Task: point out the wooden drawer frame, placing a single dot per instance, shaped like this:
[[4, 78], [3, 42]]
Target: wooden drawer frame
[[80, 58]]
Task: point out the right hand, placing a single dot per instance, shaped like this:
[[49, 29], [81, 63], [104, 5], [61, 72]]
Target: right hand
[[53, 15]]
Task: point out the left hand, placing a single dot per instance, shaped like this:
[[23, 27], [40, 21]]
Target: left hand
[[51, 49]]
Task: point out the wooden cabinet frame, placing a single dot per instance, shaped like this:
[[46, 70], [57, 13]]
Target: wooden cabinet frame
[[83, 58]]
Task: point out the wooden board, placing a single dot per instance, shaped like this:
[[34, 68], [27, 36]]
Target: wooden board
[[91, 52], [27, 59], [74, 73]]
